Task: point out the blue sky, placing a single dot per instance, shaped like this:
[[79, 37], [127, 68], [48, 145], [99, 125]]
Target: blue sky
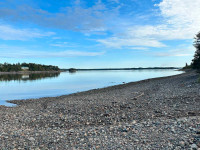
[[99, 33]]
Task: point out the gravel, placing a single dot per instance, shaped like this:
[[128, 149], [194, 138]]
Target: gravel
[[161, 113]]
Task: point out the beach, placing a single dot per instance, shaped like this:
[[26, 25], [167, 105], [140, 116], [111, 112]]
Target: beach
[[159, 113]]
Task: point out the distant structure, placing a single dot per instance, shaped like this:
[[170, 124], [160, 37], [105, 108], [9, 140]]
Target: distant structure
[[25, 76], [25, 68], [72, 70]]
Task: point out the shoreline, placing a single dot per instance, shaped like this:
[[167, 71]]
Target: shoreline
[[77, 70], [118, 86], [28, 72], [158, 113]]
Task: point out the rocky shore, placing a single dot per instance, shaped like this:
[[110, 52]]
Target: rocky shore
[[161, 113]]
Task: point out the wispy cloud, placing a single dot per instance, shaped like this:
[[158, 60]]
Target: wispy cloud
[[63, 44], [87, 20], [140, 48], [179, 52], [10, 33], [21, 52], [182, 17], [180, 21], [116, 42], [56, 38]]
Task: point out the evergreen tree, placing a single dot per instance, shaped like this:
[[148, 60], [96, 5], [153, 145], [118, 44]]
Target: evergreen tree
[[6, 67], [196, 60]]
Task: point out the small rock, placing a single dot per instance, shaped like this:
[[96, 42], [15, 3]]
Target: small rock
[[198, 144], [198, 132], [194, 146], [31, 139], [106, 115], [182, 143], [191, 114], [123, 130]]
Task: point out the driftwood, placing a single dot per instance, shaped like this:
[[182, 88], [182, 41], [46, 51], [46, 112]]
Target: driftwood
[[135, 98]]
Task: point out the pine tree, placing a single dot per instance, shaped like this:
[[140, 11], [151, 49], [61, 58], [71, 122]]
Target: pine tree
[[196, 60]]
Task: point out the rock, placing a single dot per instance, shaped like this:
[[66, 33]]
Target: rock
[[194, 146], [158, 112], [106, 115], [198, 132], [31, 139], [182, 143], [198, 144], [191, 114], [123, 130]]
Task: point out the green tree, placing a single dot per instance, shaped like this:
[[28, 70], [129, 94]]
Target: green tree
[[196, 60], [6, 67]]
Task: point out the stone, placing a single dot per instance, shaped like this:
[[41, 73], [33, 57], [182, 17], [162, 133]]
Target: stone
[[31, 139], [194, 146]]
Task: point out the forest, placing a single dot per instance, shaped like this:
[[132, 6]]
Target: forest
[[6, 67]]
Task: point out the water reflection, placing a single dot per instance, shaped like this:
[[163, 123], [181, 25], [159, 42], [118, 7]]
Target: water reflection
[[27, 86], [27, 77]]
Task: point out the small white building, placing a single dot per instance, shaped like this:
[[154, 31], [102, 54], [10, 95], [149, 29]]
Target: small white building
[[25, 68]]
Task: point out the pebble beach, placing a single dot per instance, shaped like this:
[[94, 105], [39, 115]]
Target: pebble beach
[[159, 113]]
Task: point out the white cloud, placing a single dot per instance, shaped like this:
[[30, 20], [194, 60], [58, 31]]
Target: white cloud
[[56, 38], [62, 44], [167, 54], [10, 33], [179, 52], [116, 42], [77, 53], [21, 52], [182, 15], [181, 21], [76, 18], [159, 33], [140, 48]]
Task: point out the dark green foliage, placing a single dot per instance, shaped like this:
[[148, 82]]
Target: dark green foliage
[[39, 67], [31, 67], [187, 66], [72, 70], [10, 67], [196, 60]]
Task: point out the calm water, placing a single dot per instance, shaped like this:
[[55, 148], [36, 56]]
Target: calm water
[[47, 85]]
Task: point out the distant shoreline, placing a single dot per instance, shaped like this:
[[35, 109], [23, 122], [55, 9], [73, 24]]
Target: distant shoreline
[[149, 68], [29, 72], [100, 69]]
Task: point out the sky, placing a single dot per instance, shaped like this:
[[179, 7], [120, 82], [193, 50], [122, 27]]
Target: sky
[[99, 33]]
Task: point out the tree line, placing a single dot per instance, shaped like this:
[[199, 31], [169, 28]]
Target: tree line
[[196, 60], [195, 64], [6, 67]]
